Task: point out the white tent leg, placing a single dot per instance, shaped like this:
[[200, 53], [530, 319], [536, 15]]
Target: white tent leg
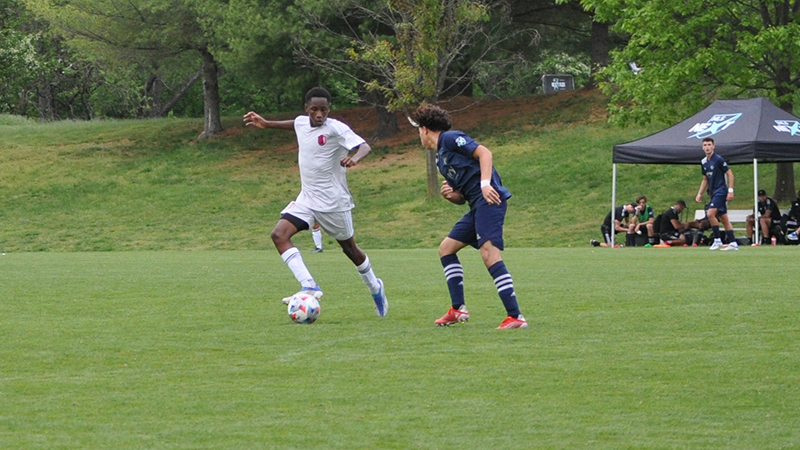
[[613, 205], [755, 200]]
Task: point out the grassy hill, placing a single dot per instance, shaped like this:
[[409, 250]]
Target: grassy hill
[[149, 185]]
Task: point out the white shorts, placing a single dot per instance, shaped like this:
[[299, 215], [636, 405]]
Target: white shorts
[[338, 224]]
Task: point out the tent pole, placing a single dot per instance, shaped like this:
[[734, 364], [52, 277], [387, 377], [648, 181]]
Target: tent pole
[[613, 206], [755, 200]]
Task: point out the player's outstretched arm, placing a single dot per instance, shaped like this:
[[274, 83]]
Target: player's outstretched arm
[[251, 119]]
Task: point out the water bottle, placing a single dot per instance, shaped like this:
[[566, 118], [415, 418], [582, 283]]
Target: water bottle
[[774, 241]]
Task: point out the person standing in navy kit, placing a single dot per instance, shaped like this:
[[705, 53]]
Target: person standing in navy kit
[[469, 177], [715, 171]]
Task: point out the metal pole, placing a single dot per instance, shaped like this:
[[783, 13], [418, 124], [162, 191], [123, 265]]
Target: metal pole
[[613, 206], [755, 200]]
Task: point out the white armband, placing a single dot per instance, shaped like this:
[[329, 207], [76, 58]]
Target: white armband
[[485, 183], [730, 190]]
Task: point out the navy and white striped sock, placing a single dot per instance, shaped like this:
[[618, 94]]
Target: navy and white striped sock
[[505, 288], [454, 274]]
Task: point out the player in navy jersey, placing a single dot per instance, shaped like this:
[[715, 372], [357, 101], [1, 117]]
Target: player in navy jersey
[[715, 172], [469, 177]]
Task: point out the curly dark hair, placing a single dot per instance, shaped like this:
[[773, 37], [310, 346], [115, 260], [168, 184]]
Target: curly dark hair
[[432, 117]]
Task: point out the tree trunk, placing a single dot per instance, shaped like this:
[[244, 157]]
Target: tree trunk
[[387, 123], [156, 91], [784, 174], [45, 94], [433, 174], [784, 182], [212, 123], [167, 107], [599, 50]]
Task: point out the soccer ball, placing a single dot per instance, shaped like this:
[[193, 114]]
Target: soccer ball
[[303, 308]]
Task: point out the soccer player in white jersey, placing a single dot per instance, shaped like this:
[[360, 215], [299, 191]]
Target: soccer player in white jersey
[[324, 154]]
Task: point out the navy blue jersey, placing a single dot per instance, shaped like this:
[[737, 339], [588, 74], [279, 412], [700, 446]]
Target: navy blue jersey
[[462, 170], [715, 169]]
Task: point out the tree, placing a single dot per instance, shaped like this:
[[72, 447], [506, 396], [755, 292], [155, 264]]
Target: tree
[[152, 30], [406, 51], [256, 47], [694, 51], [39, 75], [569, 28]]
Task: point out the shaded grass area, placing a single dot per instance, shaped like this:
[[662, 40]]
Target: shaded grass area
[[193, 350]]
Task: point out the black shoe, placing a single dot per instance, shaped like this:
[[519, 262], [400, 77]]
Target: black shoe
[[317, 250], [594, 243]]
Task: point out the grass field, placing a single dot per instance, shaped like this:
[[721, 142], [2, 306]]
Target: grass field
[[627, 349]]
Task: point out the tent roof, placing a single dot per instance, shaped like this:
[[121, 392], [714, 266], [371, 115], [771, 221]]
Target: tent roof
[[743, 130]]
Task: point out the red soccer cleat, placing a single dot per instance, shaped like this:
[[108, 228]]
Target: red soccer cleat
[[453, 316], [511, 322]]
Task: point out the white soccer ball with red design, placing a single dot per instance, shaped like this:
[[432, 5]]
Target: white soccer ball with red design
[[303, 308]]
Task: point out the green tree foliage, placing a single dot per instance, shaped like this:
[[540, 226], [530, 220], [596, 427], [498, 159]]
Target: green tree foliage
[[152, 33], [408, 51], [19, 61], [694, 51], [39, 76], [256, 45], [404, 52]]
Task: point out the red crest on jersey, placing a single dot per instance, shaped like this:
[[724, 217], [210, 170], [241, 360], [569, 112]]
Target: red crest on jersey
[[322, 139]]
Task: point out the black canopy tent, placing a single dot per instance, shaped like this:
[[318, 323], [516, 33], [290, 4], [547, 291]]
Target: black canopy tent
[[745, 131]]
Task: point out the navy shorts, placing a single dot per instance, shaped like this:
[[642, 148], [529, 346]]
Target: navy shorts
[[481, 224], [719, 201]]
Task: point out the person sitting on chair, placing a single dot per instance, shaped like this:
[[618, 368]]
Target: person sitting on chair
[[769, 217], [673, 231], [791, 219], [621, 213], [643, 220]]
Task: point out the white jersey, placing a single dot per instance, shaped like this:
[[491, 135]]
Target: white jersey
[[322, 177]]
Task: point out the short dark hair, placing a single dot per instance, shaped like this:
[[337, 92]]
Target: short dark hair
[[708, 139], [640, 198], [432, 117], [320, 92], [681, 202]]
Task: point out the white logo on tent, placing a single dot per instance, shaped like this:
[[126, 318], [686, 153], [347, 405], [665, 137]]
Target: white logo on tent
[[787, 126], [717, 123]]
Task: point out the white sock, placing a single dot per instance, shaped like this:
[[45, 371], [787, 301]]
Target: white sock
[[295, 263], [365, 270], [317, 236]]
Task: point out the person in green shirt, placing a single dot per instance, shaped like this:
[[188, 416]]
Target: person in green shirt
[[643, 220]]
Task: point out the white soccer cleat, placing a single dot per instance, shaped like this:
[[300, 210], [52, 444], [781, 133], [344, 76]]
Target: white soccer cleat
[[716, 245], [316, 292], [731, 246], [381, 302]]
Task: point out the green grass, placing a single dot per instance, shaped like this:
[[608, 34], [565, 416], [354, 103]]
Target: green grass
[[633, 348]]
